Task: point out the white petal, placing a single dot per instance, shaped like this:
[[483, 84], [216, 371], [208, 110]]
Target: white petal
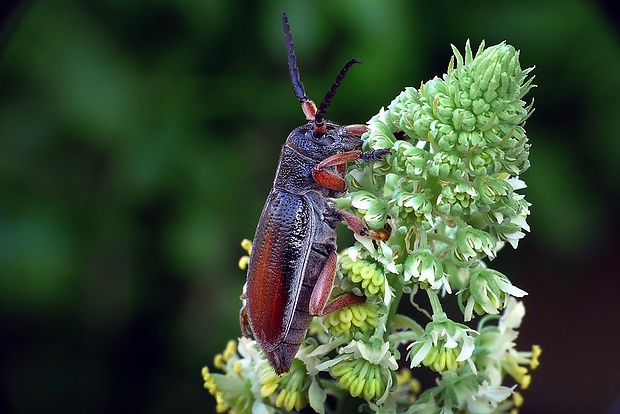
[[497, 393], [467, 349], [513, 315], [367, 243], [421, 354], [469, 308], [510, 288], [516, 183], [450, 343]]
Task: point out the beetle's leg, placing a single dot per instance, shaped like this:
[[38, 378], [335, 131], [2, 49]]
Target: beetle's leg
[[330, 179], [358, 226], [323, 287], [374, 155], [334, 181], [244, 321], [356, 129], [319, 305], [342, 301]]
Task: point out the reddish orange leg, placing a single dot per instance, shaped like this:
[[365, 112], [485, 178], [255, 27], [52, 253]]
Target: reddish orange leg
[[330, 179], [334, 180], [319, 305], [358, 226]]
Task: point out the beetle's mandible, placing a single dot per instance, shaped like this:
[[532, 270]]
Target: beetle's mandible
[[293, 260]]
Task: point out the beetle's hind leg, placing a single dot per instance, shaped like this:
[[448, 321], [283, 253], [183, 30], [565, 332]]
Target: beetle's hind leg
[[319, 300], [244, 320]]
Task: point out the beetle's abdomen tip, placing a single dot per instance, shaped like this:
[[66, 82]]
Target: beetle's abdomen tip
[[281, 360]]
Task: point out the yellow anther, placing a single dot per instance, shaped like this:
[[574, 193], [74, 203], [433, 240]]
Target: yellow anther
[[243, 262], [536, 351], [231, 349], [237, 367], [246, 245], [218, 361], [525, 381], [268, 389], [518, 399]]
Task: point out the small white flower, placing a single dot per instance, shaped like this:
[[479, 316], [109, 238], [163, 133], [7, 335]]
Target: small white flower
[[443, 334], [487, 398], [512, 316], [442, 284], [379, 355]]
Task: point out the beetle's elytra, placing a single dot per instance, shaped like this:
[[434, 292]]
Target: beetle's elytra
[[293, 261]]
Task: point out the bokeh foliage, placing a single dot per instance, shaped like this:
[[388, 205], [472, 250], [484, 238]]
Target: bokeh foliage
[[138, 141]]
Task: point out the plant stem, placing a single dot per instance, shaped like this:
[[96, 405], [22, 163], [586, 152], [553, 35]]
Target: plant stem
[[435, 303]]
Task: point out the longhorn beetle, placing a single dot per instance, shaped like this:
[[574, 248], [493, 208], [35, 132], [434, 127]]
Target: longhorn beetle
[[293, 260]]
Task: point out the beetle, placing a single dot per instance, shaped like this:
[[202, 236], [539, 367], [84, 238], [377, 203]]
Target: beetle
[[293, 260]]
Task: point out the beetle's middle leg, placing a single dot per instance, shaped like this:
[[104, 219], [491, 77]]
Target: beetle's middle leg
[[319, 305], [358, 226]]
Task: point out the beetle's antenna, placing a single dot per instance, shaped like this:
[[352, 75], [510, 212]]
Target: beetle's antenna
[[298, 86], [319, 119]]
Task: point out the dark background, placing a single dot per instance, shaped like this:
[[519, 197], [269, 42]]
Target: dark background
[[138, 141]]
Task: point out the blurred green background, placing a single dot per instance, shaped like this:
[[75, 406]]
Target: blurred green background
[[138, 141]]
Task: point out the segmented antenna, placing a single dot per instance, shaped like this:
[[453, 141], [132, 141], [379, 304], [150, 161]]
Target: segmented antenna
[[320, 114], [307, 106], [298, 86]]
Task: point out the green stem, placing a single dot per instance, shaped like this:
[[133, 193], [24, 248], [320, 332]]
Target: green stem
[[398, 293], [441, 238], [435, 303]]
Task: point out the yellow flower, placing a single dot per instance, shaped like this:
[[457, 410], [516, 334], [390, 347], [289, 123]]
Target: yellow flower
[[361, 378], [365, 272], [244, 260], [293, 388], [359, 317]]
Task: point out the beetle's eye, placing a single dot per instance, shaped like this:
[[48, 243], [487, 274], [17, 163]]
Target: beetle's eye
[[320, 138]]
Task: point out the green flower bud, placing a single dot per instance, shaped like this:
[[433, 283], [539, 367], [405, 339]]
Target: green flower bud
[[366, 273], [444, 346], [457, 199], [472, 244], [423, 267], [365, 179], [410, 160], [373, 208], [365, 369], [491, 190], [380, 136], [359, 317], [294, 388], [475, 107], [487, 292], [361, 378], [414, 208]]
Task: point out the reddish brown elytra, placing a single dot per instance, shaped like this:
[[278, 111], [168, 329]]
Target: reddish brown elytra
[[293, 261]]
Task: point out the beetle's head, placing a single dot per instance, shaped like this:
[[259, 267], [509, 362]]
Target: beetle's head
[[335, 139]]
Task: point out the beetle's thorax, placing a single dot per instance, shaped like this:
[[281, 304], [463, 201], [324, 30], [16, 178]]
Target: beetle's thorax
[[302, 151]]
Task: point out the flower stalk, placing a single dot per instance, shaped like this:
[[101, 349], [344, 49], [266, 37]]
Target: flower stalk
[[449, 193]]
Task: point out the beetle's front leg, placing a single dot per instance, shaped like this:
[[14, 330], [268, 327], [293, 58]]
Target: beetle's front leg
[[329, 179], [333, 180], [319, 305]]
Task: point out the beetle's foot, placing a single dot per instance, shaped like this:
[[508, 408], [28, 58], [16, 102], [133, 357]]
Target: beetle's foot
[[381, 234], [374, 155]]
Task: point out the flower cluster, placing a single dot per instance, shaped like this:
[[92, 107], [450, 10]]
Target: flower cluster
[[448, 192]]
